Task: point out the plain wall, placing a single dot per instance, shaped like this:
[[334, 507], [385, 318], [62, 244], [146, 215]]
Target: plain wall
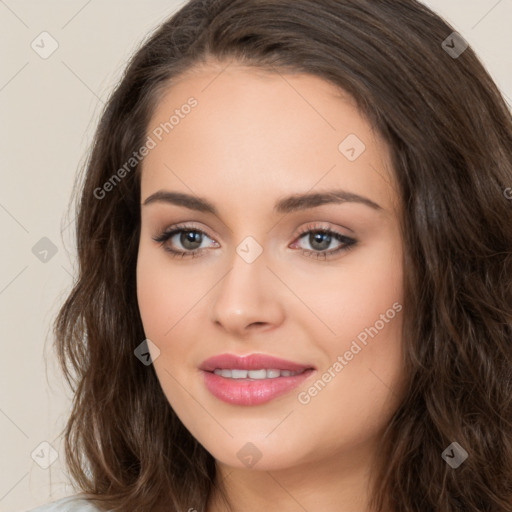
[[49, 110]]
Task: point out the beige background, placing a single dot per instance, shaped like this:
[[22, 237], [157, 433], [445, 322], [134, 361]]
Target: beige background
[[49, 108]]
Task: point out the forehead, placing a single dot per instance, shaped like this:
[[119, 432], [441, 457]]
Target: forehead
[[257, 132]]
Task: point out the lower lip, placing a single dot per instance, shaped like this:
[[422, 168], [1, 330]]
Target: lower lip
[[251, 392]]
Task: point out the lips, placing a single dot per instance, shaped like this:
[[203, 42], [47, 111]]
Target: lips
[[251, 362], [223, 381]]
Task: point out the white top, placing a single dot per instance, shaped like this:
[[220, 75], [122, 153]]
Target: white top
[[69, 504]]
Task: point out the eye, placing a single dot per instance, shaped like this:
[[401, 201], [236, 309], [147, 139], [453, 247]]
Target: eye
[[191, 240], [188, 237], [320, 238]]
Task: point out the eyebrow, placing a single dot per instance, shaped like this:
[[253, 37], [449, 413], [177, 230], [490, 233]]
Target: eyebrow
[[287, 204]]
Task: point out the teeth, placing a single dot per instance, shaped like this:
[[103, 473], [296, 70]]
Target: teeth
[[254, 374]]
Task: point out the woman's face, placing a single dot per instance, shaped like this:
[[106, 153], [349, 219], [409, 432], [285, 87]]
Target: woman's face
[[291, 250]]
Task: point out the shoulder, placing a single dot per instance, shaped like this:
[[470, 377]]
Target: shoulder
[[69, 504]]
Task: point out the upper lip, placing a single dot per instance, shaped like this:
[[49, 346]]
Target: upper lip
[[250, 362]]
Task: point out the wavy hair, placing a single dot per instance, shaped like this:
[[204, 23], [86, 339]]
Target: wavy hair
[[450, 135]]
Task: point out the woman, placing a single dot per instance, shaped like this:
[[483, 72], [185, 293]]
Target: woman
[[294, 238]]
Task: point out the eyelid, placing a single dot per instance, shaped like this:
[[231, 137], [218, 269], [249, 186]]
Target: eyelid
[[168, 232], [319, 226], [185, 226], [312, 226]]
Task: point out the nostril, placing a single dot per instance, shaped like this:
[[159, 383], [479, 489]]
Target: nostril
[[257, 323]]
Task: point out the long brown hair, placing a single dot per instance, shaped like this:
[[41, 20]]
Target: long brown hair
[[450, 135]]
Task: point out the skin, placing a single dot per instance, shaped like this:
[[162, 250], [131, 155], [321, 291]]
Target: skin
[[253, 138]]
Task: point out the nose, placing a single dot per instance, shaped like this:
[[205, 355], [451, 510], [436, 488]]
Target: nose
[[248, 299]]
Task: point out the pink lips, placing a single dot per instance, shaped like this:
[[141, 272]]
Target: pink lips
[[249, 391]]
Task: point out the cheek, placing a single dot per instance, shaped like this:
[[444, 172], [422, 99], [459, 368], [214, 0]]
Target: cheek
[[351, 298], [164, 301], [362, 305], [153, 302], [164, 294]]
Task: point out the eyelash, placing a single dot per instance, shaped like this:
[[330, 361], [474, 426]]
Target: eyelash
[[348, 243]]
